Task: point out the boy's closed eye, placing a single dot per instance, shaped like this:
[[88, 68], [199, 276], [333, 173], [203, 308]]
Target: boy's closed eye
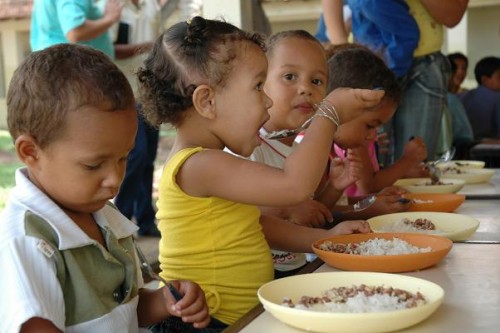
[[97, 165]]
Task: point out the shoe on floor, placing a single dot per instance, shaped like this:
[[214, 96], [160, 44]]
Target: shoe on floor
[[149, 232]]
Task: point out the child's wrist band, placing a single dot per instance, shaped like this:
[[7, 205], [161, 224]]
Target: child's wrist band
[[321, 113], [329, 111]]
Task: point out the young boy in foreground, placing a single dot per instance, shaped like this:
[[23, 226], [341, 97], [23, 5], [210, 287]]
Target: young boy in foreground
[[68, 257]]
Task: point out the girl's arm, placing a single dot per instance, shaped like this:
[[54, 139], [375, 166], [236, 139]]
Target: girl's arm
[[91, 29], [334, 21], [216, 173], [372, 181], [158, 304], [284, 236], [449, 13]]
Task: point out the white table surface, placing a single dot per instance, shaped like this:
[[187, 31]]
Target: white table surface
[[489, 190], [470, 276]]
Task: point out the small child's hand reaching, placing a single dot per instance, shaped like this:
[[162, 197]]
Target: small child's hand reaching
[[192, 307], [389, 201], [344, 172], [350, 227], [415, 151]]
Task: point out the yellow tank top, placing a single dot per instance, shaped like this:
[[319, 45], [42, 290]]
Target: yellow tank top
[[431, 32], [217, 243]]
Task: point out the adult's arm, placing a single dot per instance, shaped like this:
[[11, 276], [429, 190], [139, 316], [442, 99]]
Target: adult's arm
[[334, 21], [448, 13], [91, 29]]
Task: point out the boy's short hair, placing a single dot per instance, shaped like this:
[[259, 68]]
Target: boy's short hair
[[486, 67], [52, 82], [355, 66]]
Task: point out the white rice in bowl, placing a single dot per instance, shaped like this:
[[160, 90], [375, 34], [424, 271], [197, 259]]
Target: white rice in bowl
[[420, 225], [375, 247], [359, 299]]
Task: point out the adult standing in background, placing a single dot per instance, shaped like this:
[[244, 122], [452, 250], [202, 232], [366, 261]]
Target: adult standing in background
[[73, 21], [140, 24], [423, 71]]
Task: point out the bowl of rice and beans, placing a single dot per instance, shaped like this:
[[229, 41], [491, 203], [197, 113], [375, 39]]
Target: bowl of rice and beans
[[382, 252], [353, 302], [425, 185], [456, 227]]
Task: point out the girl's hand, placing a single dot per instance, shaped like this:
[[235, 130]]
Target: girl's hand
[[392, 190], [388, 201], [415, 151], [192, 307], [350, 227], [351, 103], [417, 171], [344, 172], [310, 213]]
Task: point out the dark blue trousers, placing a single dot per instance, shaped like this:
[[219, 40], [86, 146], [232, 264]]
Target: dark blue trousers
[[135, 196]]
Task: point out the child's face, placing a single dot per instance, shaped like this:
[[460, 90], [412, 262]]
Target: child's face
[[242, 104], [358, 131], [459, 76], [296, 81], [85, 166]]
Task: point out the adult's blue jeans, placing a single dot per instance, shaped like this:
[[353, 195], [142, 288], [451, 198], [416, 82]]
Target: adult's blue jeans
[[134, 200], [424, 99]]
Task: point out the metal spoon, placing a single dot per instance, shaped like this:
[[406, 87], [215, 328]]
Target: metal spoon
[[434, 171], [357, 207], [148, 271], [274, 135]]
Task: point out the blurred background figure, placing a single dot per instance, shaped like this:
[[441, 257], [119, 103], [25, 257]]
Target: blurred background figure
[[461, 130], [74, 21], [409, 35], [459, 65], [483, 103]]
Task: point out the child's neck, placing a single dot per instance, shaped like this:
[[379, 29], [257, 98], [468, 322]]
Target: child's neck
[[87, 223]]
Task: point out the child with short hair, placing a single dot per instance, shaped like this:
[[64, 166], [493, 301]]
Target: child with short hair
[[206, 78], [68, 256], [482, 104], [357, 67]]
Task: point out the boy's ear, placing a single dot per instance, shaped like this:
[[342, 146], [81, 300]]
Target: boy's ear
[[204, 101], [27, 149]]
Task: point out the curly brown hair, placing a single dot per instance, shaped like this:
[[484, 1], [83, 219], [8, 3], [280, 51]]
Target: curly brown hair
[[60, 79], [355, 66], [186, 55]]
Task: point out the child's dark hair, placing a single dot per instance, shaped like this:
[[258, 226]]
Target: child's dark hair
[[486, 67], [186, 55], [274, 40], [355, 66], [457, 55], [60, 79]]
